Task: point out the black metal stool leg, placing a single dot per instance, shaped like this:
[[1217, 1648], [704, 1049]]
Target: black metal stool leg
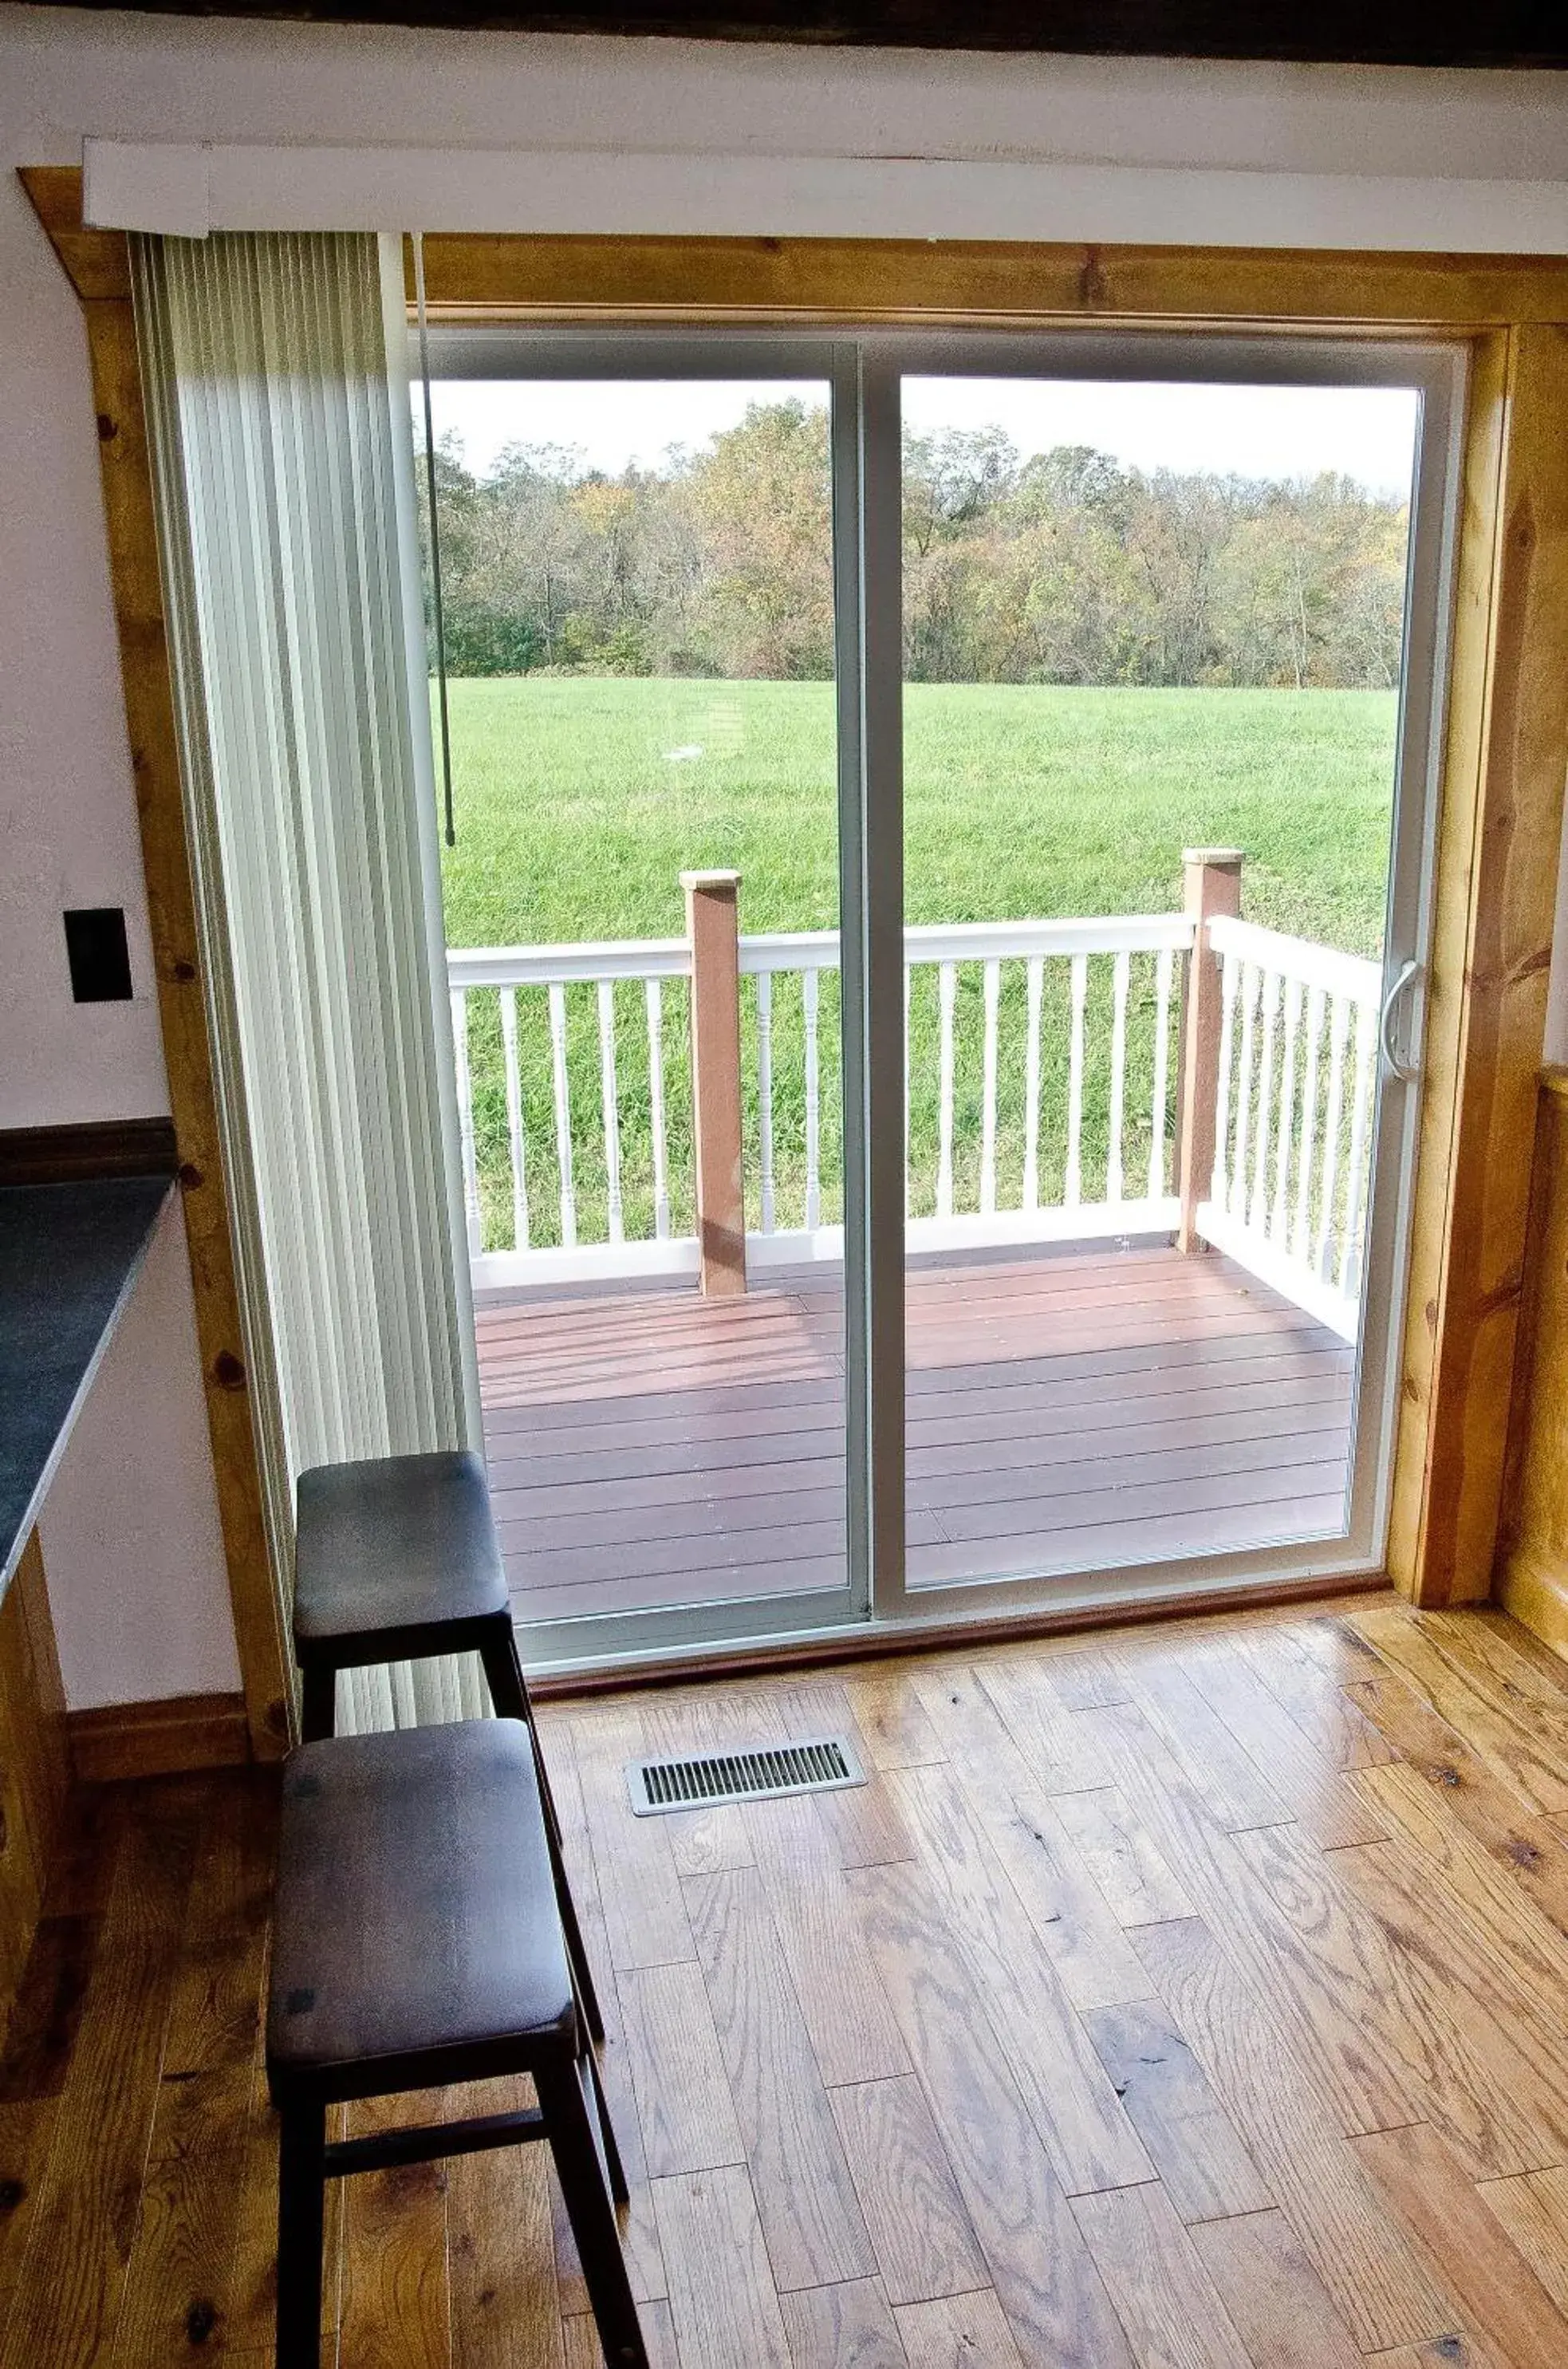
[[301, 2199], [564, 2102], [508, 1692], [318, 1707]]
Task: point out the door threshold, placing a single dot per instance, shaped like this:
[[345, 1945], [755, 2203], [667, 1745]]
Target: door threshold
[[886, 1640]]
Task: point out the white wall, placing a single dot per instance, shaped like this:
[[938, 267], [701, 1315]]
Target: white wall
[[67, 829], [130, 1531]]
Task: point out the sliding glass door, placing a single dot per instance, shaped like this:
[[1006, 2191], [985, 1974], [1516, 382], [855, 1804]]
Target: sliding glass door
[[639, 624], [1163, 834], [993, 1196]]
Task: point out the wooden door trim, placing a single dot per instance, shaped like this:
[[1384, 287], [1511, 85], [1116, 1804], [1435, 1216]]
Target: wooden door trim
[[98, 264], [1506, 747]]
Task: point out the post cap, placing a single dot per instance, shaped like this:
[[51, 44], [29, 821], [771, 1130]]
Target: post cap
[[710, 880], [1220, 859]]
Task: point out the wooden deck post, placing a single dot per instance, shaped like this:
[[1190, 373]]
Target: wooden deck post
[[1211, 883], [713, 926]]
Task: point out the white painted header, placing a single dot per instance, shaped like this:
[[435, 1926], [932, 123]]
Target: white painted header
[[188, 188]]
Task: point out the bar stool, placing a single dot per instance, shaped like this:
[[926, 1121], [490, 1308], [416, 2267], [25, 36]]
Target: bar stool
[[397, 1559], [416, 1944]]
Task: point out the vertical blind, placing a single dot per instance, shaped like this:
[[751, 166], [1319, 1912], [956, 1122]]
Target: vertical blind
[[279, 417]]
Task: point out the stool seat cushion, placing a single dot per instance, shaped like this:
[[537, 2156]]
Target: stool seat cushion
[[416, 1911], [394, 1543]]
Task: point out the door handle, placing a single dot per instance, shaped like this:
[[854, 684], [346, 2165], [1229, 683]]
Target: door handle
[[1410, 1069]]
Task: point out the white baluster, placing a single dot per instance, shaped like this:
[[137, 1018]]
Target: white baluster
[[1269, 999], [563, 1114], [1036, 982], [1164, 964], [1121, 976], [1301, 1240], [991, 976], [808, 988], [1073, 1188], [1360, 1122], [1286, 1111], [1323, 1255], [766, 1091], [653, 989], [947, 989], [1230, 978], [1250, 984], [471, 1219], [514, 1119], [908, 1181], [610, 1102]]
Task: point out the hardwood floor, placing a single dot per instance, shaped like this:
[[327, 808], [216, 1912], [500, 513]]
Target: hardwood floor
[[1065, 1410], [1190, 1998]]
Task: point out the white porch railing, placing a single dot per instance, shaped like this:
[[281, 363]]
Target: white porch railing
[[994, 1156], [1293, 1117], [1045, 1097]]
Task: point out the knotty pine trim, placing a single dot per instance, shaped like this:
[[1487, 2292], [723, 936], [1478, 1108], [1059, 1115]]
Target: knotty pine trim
[[157, 1739], [104, 286]]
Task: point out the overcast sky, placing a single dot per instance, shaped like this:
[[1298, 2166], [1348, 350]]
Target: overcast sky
[[1254, 431]]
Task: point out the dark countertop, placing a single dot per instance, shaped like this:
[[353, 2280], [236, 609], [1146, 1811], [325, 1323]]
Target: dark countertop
[[69, 1257]]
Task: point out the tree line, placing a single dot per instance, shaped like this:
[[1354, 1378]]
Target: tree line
[[1060, 568]]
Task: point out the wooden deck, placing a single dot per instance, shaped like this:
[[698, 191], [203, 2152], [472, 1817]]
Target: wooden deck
[[1065, 1411], [1189, 1996]]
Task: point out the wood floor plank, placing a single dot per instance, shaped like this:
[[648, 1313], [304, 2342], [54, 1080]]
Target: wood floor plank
[[1074, 2106], [1055, 2300], [645, 1914], [1506, 2109], [1192, 2143], [1468, 2248], [1533, 2209], [892, 1718], [1316, 1701], [1094, 1962], [396, 2308], [213, 2009], [684, 2108], [722, 2297], [960, 2333], [816, 2235], [639, 2231], [1085, 1680], [188, 2227], [1481, 1714], [1232, 1787], [583, 2349], [1120, 1855], [920, 2230], [87, 2204], [1281, 2308], [842, 2328], [853, 2031], [504, 2313], [1487, 1889], [1313, 1788], [1160, 2289], [1384, 2291], [1337, 1998]]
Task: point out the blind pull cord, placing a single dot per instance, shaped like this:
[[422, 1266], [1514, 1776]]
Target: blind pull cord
[[419, 239]]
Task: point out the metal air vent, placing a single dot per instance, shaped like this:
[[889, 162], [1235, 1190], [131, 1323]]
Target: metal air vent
[[825, 1765]]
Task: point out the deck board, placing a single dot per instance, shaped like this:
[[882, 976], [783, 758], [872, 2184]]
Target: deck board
[[1089, 1408]]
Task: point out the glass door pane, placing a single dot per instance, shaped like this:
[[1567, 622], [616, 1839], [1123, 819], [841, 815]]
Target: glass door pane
[[1152, 644], [642, 909]]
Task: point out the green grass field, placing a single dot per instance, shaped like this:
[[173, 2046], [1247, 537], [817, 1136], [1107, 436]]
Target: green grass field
[[580, 800]]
